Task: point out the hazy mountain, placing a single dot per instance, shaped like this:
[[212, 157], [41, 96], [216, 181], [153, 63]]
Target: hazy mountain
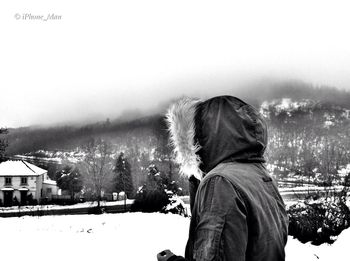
[[134, 125], [308, 135]]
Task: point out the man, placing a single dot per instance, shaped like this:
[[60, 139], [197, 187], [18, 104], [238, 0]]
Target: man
[[237, 213]]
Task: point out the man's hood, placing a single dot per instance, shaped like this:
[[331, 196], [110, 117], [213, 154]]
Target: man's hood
[[220, 129]]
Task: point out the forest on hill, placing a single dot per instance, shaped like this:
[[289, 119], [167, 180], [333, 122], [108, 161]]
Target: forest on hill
[[308, 136], [66, 137], [308, 140]]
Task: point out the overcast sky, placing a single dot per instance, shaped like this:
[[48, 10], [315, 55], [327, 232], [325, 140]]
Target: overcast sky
[[104, 57]]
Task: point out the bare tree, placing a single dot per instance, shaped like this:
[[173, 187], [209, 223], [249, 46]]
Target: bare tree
[[3, 143], [97, 167]]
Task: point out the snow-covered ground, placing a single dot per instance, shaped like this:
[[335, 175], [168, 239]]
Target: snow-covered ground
[[17, 209], [129, 236]]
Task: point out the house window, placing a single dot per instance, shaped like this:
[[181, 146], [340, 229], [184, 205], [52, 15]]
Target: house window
[[24, 181], [48, 190], [8, 181]]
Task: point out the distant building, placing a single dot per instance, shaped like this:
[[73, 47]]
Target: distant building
[[23, 181]]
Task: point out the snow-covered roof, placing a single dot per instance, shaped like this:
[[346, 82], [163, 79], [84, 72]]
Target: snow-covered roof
[[50, 182], [19, 168]]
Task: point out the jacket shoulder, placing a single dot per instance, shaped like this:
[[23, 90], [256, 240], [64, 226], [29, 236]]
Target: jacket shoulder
[[217, 193], [245, 178], [238, 173]]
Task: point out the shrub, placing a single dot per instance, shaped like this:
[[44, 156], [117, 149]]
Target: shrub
[[63, 201], [31, 201], [176, 206], [319, 219], [96, 210], [150, 201], [158, 195]]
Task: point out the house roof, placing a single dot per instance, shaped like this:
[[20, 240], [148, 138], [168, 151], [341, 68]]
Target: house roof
[[50, 182], [19, 168]]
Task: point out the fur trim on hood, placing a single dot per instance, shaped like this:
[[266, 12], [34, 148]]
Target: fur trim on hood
[[221, 129], [181, 123]]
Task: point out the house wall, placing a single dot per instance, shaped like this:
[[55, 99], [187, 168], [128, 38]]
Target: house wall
[[47, 193], [16, 184], [48, 189], [39, 187], [35, 186]]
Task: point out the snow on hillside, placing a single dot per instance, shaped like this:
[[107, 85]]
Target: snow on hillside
[[76, 155], [130, 236], [285, 104]]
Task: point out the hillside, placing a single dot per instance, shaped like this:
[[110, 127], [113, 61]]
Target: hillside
[[68, 137], [31, 139], [295, 90], [308, 140], [308, 136], [143, 141]]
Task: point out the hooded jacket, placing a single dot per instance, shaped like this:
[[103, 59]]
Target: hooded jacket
[[237, 212]]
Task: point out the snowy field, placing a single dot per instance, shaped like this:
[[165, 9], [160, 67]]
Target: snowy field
[[130, 236], [16, 209]]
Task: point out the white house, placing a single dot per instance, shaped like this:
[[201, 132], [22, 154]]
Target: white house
[[21, 180]]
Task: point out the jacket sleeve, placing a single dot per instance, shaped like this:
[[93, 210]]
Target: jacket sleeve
[[193, 187], [177, 258], [222, 231], [221, 215]]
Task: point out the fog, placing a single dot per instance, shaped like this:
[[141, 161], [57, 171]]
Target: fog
[[100, 59]]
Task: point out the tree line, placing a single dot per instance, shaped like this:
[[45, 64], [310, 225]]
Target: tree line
[[3, 143], [311, 140], [102, 172]]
